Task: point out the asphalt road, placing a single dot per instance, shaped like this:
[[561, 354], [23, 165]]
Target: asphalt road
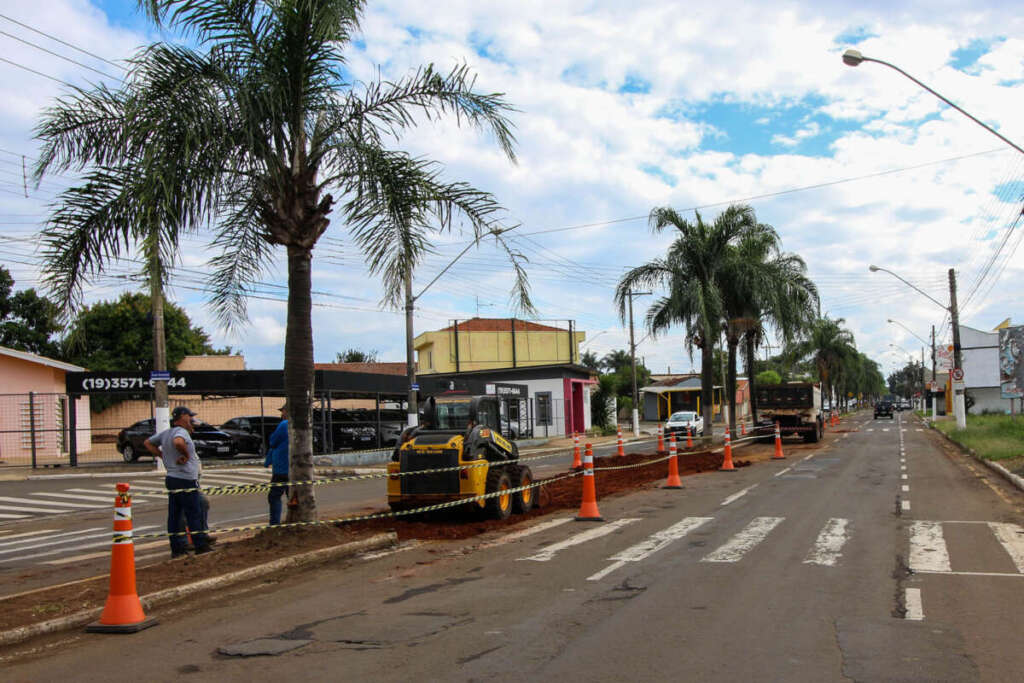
[[877, 557]]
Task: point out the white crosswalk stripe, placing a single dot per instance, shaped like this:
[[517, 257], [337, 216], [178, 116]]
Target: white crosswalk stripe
[[828, 547], [928, 551], [1011, 537], [744, 541], [550, 551], [651, 545], [49, 542]]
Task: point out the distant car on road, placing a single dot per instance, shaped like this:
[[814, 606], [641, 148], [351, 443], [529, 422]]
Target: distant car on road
[[884, 409], [679, 423], [210, 442]]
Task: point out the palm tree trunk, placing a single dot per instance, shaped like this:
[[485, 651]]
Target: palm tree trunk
[[298, 379], [707, 380], [730, 382], [748, 344]]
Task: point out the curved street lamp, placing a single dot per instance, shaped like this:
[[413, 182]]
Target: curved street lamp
[[855, 58], [897, 322]]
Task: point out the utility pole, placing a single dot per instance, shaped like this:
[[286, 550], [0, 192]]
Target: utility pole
[[632, 356], [959, 405], [161, 400], [410, 363], [935, 409]]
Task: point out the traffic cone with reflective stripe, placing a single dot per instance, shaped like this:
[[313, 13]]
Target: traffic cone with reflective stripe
[[588, 508], [727, 465], [778, 443], [673, 466], [661, 439], [123, 610], [576, 461], [621, 452], [689, 437]]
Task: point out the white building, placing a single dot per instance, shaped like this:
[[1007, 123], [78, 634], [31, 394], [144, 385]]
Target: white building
[[980, 353]]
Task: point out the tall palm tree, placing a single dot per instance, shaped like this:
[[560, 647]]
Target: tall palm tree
[[829, 345], [689, 276], [273, 136]]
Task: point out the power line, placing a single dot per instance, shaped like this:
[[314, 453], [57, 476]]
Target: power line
[[59, 56], [63, 42], [38, 73]]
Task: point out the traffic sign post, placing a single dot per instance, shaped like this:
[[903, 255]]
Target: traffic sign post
[[958, 374]]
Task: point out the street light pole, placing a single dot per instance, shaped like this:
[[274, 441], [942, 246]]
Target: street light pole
[[632, 356]]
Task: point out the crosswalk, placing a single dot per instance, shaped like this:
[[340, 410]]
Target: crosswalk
[[928, 552], [76, 498]]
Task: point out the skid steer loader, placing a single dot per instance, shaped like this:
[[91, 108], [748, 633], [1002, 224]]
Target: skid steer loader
[[458, 430]]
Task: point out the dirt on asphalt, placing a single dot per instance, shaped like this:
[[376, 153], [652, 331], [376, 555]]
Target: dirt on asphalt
[[644, 470]]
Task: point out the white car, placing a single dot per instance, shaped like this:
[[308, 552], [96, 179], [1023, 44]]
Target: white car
[[679, 423]]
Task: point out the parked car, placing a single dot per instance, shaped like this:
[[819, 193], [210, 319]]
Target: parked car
[[884, 409], [679, 423], [251, 433], [209, 441]]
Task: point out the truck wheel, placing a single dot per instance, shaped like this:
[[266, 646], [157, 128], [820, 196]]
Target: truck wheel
[[814, 435], [498, 507], [522, 501]]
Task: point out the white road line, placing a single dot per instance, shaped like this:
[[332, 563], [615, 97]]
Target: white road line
[[905, 506], [3, 516], [903, 467], [33, 501], [809, 456], [6, 542], [109, 500], [885, 429], [232, 480], [912, 601], [1011, 536], [928, 548], [903, 476], [107, 534], [657, 541], [106, 553], [906, 488], [522, 533], [5, 538], [919, 430], [828, 547], [871, 430], [1010, 574], [596, 532], [742, 542], [781, 472], [109, 496], [738, 495], [36, 510]]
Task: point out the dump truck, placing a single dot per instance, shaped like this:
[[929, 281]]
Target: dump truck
[[796, 406], [455, 431]]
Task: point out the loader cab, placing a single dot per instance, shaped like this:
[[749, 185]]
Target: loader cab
[[457, 413]]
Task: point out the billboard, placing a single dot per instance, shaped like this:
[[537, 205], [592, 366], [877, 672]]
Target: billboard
[[1011, 362], [944, 358]]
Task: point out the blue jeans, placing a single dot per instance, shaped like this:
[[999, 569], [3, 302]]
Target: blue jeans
[[274, 497], [189, 505]]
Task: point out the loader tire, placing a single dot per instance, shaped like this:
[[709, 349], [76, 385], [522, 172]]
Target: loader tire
[[498, 507], [522, 501]]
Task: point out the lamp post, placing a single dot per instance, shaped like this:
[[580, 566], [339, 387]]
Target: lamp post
[[632, 356], [958, 395]]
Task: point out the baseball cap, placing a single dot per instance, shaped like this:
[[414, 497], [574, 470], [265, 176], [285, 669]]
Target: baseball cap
[[179, 411]]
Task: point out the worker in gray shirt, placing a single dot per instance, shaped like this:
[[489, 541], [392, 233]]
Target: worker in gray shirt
[[175, 446]]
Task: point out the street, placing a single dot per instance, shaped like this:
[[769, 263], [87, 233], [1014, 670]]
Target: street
[[850, 563]]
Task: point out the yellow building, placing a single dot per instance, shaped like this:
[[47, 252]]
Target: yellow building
[[495, 343]]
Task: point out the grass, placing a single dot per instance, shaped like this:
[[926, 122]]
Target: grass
[[993, 437]]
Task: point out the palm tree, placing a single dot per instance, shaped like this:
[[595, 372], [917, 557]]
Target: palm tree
[[272, 137], [829, 345], [689, 273]]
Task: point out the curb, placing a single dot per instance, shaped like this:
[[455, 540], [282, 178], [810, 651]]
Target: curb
[[152, 600], [1006, 474]]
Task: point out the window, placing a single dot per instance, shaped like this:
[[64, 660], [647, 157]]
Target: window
[[544, 408]]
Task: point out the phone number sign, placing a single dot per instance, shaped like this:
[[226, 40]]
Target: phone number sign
[[100, 383]]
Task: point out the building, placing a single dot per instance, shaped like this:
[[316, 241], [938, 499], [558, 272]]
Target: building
[[682, 392], [35, 420], [980, 353], [494, 343]]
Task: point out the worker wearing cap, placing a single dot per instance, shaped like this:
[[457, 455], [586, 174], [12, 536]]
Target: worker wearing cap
[[175, 446], [277, 460]]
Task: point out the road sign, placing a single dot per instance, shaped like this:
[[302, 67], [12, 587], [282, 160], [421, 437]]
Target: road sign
[[160, 375], [958, 374], [415, 387]]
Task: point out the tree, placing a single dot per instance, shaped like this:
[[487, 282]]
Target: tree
[[259, 128], [117, 336], [689, 274], [589, 360], [356, 356], [768, 377], [828, 344], [28, 321]]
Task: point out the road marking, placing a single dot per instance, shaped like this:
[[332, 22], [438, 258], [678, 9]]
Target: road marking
[[903, 476], [1011, 536], [738, 495], [912, 601], [230, 481], [109, 500], [809, 456], [781, 472], [903, 467], [1010, 574], [58, 551], [918, 430], [522, 533], [928, 548], [2, 516], [112, 495], [5, 538], [906, 488], [745, 540], [885, 429], [6, 542], [657, 541], [871, 430], [596, 532], [905, 506], [106, 553], [36, 510], [828, 548]]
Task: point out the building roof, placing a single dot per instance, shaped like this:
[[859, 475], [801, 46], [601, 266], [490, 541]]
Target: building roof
[[501, 325], [41, 360], [371, 368], [211, 362]]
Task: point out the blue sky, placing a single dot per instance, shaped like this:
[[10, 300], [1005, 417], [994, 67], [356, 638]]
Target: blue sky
[[622, 108]]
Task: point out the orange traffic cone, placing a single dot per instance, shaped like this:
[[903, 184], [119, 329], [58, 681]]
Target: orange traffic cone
[[576, 462], [123, 611], [778, 444], [621, 452], [588, 508], [743, 428], [727, 465], [835, 419], [689, 437], [673, 467], [661, 439]]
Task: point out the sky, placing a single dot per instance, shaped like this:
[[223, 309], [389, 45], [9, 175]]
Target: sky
[[621, 108]]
